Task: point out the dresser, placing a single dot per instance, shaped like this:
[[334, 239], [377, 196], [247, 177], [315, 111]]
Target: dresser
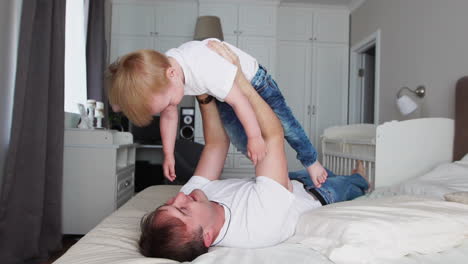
[[98, 176]]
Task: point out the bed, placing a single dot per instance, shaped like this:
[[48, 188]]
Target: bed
[[406, 220]]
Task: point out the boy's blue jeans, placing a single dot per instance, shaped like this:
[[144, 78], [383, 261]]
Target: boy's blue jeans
[[293, 131], [337, 188]]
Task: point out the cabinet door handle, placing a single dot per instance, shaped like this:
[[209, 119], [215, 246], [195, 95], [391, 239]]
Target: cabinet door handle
[[313, 110], [125, 184]]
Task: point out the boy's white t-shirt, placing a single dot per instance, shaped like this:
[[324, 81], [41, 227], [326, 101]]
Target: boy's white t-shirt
[[259, 212], [206, 72]]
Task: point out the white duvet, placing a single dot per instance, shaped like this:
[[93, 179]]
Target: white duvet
[[371, 231], [445, 178], [379, 230]]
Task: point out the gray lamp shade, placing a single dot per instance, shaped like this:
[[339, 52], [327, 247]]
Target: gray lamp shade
[[208, 27]]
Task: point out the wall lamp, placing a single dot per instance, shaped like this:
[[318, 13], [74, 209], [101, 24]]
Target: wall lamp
[[405, 103]]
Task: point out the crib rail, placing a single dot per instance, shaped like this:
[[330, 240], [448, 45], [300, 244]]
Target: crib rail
[[344, 163], [343, 146]]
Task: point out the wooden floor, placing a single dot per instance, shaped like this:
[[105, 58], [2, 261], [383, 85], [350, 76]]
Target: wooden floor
[[67, 242]]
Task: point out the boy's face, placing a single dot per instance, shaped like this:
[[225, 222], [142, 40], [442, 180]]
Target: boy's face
[[172, 95], [160, 102]]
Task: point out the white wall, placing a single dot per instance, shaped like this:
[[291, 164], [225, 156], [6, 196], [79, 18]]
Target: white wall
[[10, 12], [423, 42]]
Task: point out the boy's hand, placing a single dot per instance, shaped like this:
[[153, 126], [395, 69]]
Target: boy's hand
[[317, 173], [169, 167], [256, 149]]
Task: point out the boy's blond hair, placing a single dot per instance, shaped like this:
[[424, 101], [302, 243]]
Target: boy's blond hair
[[133, 80]]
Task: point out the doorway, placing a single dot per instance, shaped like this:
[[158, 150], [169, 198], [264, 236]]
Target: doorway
[[364, 81]]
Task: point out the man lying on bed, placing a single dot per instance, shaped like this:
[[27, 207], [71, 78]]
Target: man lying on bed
[[248, 213]]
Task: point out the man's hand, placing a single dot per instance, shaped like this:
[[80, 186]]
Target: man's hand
[[317, 173], [256, 149], [224, 51], [169, 167]]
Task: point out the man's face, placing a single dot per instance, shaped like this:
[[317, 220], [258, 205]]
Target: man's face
[[195, 210]]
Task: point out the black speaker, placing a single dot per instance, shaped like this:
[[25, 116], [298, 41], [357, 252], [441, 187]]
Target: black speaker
[[187, 123]]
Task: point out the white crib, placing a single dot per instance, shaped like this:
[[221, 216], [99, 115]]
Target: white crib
[[342, 146]]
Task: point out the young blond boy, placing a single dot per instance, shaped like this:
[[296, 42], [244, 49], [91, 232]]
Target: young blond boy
[[145, 83]]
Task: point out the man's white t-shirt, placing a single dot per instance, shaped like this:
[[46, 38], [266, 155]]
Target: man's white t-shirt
[[206, 72], [259, 212]]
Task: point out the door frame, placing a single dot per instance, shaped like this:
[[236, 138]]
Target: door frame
[[354, 81]]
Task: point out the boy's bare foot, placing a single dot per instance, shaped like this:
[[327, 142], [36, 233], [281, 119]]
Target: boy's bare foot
[[361, 171]]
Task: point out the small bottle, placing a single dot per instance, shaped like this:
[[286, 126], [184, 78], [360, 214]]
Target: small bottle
[[99, 114], [91, 105]]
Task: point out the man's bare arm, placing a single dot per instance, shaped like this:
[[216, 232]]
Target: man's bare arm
[[216, 147], [274, 165]]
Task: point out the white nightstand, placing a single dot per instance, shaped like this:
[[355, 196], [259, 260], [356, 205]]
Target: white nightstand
[[98, 176]]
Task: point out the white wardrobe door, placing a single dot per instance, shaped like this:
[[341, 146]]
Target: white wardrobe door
[[134, 19], [257, 20], [176, 19], [261, 48], [227, 12], [331, 26], [121, 45], [294, 80], [295, 23], [331, 86]]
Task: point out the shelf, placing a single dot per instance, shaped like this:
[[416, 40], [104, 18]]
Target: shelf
[[150, 146]]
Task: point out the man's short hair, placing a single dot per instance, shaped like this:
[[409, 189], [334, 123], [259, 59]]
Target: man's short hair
[[164, 236]]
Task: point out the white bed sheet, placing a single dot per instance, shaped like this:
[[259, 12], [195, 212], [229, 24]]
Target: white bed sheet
[[114, 240]]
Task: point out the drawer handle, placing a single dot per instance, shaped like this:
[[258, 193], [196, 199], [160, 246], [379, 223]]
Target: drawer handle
[[125, 184]]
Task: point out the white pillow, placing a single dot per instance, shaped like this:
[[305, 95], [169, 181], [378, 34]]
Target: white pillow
[[465, 158], [373, 230], [445, 178], [459, 197]]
